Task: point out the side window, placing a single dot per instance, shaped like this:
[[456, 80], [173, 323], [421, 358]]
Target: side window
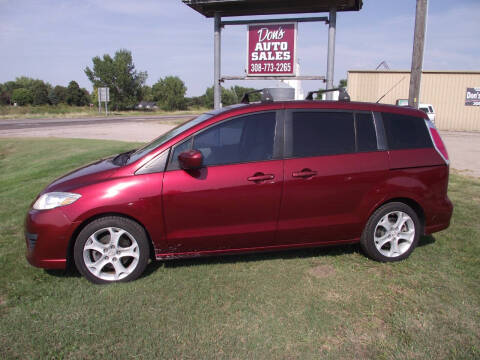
[[366, 136], [155, 165], [243, 139], [177, 150], [318, 133], [406, 132]]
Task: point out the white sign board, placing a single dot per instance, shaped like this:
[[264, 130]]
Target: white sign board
[[104, 94]]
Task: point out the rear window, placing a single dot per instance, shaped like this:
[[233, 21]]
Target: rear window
[[322, 133], [406, 132]]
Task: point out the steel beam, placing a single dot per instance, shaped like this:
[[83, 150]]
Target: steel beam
[[332, 26], [300, 77], [273, 21], [217, 90]]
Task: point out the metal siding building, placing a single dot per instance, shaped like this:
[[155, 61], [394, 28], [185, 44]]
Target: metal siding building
[[445, 90]]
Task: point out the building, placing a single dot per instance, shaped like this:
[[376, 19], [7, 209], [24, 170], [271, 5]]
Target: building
[[455, 95]]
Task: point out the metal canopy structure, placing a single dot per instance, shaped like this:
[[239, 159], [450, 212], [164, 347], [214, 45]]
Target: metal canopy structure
[[224, 8], [208, 8]]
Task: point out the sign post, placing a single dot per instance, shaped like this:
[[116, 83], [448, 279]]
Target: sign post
[[103, 95], [271, 49]]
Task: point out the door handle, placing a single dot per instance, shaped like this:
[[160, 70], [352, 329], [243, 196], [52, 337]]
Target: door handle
[[258, 177], [305, 173]]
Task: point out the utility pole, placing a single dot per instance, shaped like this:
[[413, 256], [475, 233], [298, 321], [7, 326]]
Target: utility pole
[[417, 55]]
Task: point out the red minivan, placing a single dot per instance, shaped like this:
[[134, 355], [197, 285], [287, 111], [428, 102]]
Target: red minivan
[[246, 178]]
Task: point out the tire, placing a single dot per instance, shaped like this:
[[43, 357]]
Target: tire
[[391, 233], [111, 249]]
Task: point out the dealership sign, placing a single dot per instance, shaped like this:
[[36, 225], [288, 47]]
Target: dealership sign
[[271, 49], [472, 98]]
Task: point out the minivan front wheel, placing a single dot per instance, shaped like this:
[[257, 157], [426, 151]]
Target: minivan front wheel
[[391, 233], [111, 249]]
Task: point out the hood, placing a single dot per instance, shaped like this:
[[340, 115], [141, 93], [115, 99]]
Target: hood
[[86, 175]]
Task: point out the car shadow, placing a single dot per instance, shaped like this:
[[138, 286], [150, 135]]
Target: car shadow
[[337, 250], [426, 240], [334, 250]]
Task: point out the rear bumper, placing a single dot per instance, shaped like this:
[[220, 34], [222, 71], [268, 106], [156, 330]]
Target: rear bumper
[[47, 235], [440, 218]]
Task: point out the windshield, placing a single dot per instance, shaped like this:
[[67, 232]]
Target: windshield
[[167, 136]]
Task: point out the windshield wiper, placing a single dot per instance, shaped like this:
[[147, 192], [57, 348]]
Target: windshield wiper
[[121, 159]]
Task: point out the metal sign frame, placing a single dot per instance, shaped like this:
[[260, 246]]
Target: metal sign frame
[[219, 24]]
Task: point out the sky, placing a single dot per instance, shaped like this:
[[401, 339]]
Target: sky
[[55, 40]]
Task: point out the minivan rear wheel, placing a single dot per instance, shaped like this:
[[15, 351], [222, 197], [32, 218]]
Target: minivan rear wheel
[[111, 249], [391, 233]]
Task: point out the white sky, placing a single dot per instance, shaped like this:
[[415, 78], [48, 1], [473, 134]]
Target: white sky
[[55, 40]]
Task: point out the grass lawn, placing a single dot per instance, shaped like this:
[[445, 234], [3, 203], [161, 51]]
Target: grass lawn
[[67, 111], [309, 304]]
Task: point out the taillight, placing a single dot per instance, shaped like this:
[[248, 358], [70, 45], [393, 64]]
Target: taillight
[[437, 141]]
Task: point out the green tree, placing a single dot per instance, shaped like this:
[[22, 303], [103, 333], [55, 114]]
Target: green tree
[[147, 94], [7, 91], [22, 96], [118, 74], [342, 83], [170, 93], [52, 97], [40, 92], [60, 93], [76, 96], [229, 96]]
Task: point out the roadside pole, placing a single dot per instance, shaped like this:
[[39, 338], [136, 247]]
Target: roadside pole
[[417, 56]]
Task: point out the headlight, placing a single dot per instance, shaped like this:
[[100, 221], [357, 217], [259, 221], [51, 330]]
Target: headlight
[[54, 199]]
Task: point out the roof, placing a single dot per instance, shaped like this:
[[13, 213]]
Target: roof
[[318, 104], [268, 7]]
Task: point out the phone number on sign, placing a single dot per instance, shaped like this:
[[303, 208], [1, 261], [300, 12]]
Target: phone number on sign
[[270, 67]]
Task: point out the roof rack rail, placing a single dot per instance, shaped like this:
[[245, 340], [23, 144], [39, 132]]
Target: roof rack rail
[[266, 96], [342, 96]]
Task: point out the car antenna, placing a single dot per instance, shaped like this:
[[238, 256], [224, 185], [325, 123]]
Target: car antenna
[[393, 87]]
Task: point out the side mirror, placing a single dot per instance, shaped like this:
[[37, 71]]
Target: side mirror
[[190, 160]]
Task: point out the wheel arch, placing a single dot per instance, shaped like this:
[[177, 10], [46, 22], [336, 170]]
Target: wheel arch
[[407, 201], [81, 226]]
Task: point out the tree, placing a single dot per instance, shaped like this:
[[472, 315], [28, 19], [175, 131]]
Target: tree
[[170, 93], [342, 83], [147, 94], [22, 96], [118, 74], [7, 91], [40, 92], [60, 93], [229, 96], [76, 96]]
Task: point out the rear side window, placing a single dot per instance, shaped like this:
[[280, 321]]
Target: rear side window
[[406, 132], [318, 133], [366, 136]]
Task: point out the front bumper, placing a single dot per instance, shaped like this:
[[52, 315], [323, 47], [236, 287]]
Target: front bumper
[[47, 236]]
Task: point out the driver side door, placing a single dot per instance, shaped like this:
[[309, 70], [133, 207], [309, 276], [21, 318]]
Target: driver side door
[[233, 201]]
